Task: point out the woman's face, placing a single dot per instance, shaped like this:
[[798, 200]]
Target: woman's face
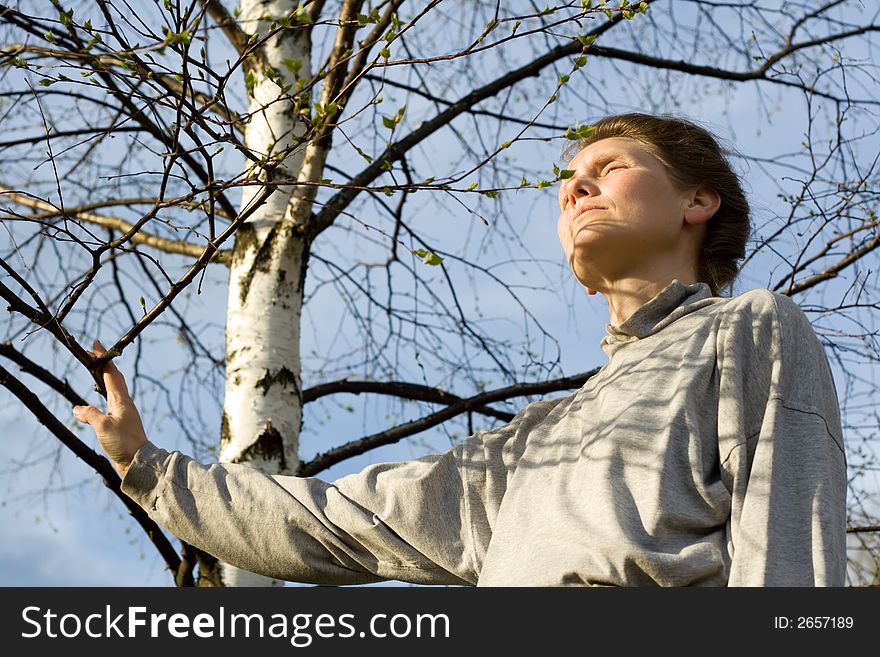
[[619, 212]]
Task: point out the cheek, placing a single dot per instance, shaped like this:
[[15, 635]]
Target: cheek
[[634, 193], [644, 198]]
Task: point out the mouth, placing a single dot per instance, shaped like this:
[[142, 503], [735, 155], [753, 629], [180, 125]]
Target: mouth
[[587, 209]]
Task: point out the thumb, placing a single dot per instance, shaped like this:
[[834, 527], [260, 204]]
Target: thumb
[[89, 415]]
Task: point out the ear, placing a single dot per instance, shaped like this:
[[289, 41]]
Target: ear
[[701, 205]]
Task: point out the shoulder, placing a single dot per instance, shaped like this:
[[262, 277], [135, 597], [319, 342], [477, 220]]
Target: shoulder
[[791, 323], [771, 316], [527, 419], [769, 336], [758, 301], [801, 372], [504, 444]]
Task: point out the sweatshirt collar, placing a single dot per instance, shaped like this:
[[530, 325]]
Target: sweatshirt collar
[[675, 300]]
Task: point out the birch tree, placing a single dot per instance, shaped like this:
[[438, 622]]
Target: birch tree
[[331, 153]]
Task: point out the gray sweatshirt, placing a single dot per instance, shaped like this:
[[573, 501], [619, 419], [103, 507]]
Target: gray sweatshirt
[[707, 451]]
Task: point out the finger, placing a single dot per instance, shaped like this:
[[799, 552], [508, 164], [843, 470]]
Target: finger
[[91, 416], [114, 381]]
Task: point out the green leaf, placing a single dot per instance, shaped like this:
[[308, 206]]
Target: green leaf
[[565, 174], [293, 65], [66, 17], [250, 81], [586, 41], [581, 132], [433, 259], [471, 187], [385, 53], [428, 257], [390, 122]]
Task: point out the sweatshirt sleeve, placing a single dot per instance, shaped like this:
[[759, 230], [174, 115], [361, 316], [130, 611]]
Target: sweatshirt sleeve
[[307, 530], [787, 475], [425, 521]]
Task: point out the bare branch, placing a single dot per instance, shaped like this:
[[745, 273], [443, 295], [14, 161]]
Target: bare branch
[[355, 447], [139, 236], [402, 389]]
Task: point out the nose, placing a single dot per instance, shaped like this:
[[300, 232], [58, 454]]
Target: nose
[[576, 187]]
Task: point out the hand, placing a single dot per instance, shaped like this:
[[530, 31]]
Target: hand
[[119, 430]]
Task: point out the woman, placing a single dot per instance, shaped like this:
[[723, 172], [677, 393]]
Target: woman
[[707, 451]]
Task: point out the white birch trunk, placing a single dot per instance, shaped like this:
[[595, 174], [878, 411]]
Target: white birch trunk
[[262, 412]]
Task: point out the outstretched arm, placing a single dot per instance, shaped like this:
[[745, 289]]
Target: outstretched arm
[[300, 529], [119, 430]]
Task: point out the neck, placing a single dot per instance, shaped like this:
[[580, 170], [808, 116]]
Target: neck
[[627, 294]]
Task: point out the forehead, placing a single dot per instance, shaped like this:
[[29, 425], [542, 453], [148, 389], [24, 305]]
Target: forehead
[[607, 148]]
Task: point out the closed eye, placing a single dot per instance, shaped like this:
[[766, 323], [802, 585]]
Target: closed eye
[[613, 167]]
